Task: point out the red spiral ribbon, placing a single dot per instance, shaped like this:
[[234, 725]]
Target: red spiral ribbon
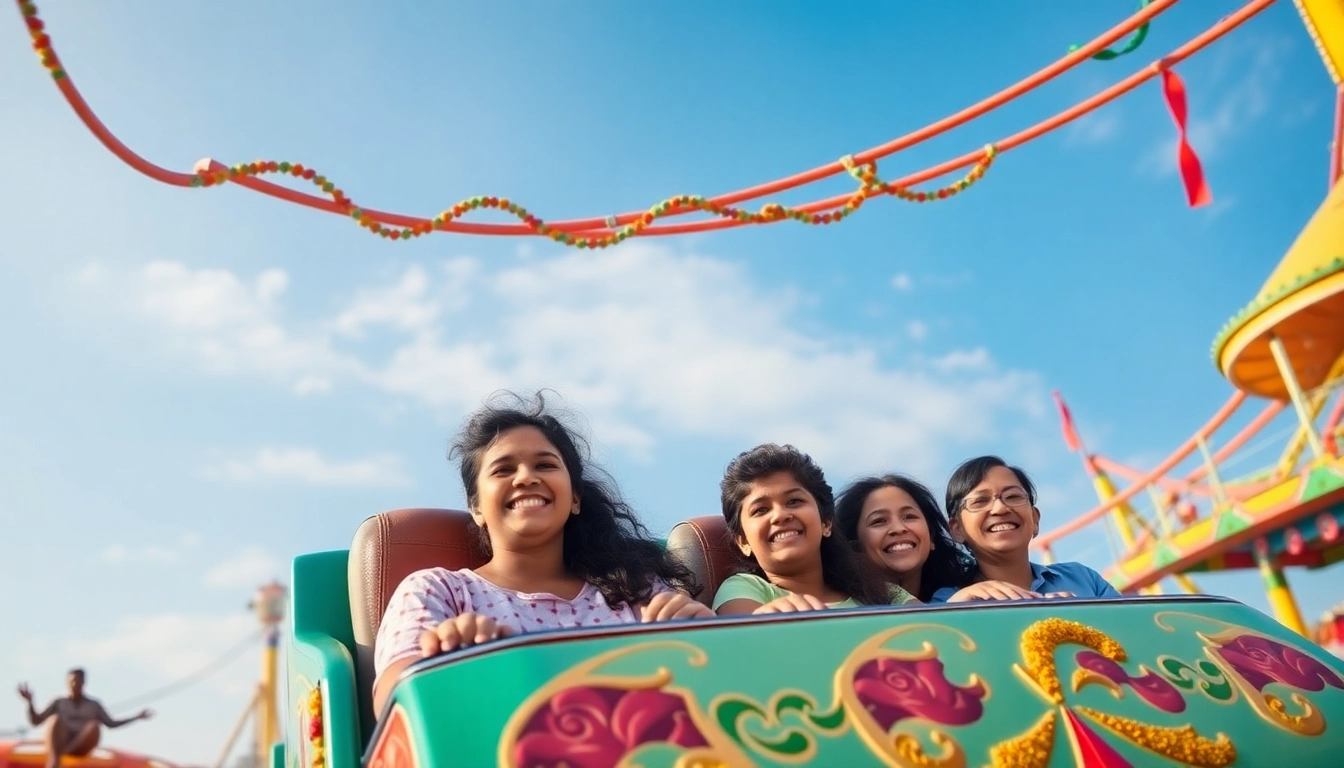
[[1192, 174]]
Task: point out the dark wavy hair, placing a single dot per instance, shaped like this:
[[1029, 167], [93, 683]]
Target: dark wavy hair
[[948, 564], [607, 545], [841, 567]]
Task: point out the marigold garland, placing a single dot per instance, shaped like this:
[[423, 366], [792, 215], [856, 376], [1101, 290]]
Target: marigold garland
[[315, 729], [870, 186]]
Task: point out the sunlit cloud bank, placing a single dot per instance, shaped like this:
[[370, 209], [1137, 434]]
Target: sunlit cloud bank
[[647, 342]]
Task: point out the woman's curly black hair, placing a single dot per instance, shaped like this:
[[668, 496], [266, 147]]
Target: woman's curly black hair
[[607, 545], [948, 564], [842, 568]]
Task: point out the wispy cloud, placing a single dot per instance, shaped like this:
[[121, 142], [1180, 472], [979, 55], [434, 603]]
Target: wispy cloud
[[977, 359], [411, 304], [1246, 75], [164, 646], [1094, 128], [305, 465], [906, 282], [643, 338], [231, 325], [251, 567], [151, 553]]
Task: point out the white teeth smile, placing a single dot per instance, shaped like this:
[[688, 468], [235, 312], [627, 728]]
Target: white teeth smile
[[529, 501], [900, 546], [1003, 527], [785, 535]]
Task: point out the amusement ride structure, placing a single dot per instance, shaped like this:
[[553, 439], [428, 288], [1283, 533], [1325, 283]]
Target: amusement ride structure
[[1286, 347]]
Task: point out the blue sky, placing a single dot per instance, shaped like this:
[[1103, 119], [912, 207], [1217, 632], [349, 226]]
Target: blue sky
[[203, 383]]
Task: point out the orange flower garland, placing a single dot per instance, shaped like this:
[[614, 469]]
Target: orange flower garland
[[314, 705], [870, 186]]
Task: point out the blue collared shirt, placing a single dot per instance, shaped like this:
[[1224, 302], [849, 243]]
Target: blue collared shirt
[[1056, 577]]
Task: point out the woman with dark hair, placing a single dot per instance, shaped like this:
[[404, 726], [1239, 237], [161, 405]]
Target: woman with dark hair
[[992, 510], [895, 522], [564, 550], [780, 512]]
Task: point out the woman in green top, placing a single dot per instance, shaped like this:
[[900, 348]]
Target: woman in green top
[[780, 512]]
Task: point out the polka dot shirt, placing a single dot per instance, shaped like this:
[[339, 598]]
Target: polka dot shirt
[[426, 598]]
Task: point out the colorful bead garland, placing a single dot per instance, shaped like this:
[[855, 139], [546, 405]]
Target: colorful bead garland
[[41, 41], [870, 186]]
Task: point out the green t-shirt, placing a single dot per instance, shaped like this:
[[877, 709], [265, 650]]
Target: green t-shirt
[[745, 586]]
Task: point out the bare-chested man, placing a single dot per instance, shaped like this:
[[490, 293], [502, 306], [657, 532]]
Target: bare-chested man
[[75, 720]]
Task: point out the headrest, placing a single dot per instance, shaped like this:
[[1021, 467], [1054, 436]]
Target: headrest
[[386, 549], [703, 545]]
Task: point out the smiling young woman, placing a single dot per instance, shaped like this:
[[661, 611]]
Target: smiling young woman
[[780, 512], [563, 550], [896, 523], [992, 510]]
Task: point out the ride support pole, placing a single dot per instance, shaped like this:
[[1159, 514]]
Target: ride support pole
[[1281, 599], [1186, 583], [1295, 392]]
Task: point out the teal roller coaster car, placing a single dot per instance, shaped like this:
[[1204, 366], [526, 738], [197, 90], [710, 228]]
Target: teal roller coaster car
[[1143, 681]]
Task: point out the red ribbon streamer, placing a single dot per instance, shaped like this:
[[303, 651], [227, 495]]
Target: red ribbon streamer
[[1192, 174], [1071, 439]]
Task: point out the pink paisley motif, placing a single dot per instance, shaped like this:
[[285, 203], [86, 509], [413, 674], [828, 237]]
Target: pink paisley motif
[[595, 727], [1154, 689], [892, 690], [1261, 661]]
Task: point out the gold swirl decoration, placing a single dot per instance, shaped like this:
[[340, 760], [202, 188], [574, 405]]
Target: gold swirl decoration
[[1041, 639], [1307, 721], [1029, 750], [771, 731], [721, 752], [1182, 744], [1034, 747], [902, 750]]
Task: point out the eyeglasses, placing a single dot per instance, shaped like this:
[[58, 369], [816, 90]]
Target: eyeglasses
[[1013, 497]]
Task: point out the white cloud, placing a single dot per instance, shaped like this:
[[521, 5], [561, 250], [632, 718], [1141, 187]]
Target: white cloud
[[404, 306], [306, 465], [1094, 128], [311, 385], [150, 553], [961, 360], [165, 646], [89, 273], [902, 282], [917, 329], [252, 567], [229, 324], [642, 339], [1255, 69]]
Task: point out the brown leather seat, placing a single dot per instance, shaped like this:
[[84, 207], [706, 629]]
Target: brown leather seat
[[386, 549], [703, 545]]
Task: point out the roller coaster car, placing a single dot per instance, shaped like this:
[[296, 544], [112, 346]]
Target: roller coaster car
[[1125, 682]]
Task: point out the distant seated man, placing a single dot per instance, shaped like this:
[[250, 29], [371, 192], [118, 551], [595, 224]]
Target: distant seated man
[[75, 720]]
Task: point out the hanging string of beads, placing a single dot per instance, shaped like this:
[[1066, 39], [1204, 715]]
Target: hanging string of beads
[[869, 186]]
